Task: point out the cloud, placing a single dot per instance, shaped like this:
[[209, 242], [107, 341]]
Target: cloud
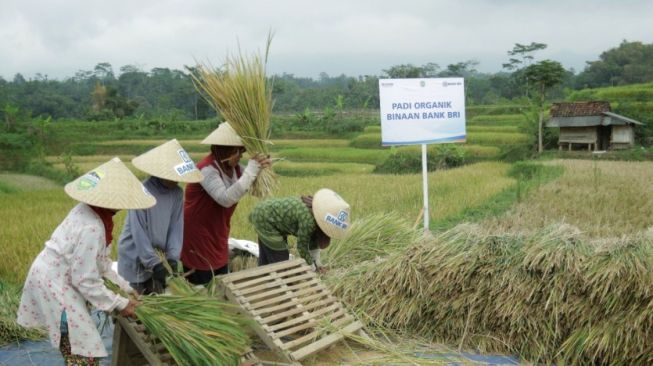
[[336, 36]]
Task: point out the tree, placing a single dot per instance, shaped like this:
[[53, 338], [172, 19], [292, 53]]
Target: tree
[[627, 64], [406, 71], [522, 55], [542, 76]]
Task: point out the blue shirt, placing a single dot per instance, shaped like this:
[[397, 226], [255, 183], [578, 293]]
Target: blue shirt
[[158, 227]]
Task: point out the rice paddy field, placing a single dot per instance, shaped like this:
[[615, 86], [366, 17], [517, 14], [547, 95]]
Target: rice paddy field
[[551, 268]]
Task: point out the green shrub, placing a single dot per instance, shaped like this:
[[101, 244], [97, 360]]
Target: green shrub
[[409, 161]]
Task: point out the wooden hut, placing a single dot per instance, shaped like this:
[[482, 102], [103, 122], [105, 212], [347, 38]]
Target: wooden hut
[[592, 124]]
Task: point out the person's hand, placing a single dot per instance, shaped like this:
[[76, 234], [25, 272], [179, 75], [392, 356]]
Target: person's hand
[[263, 161], [308, 201], [159, 273], [174, 265], [130, 310]]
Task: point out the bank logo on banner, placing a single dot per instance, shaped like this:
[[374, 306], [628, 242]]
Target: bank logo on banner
[[422, 111]]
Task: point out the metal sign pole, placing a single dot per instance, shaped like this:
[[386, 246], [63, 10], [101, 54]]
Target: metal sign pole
[[425, 189]]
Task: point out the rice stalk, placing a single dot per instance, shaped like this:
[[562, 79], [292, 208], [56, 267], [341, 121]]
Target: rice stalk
[[10, 331], [195, 329], [551, 296], [240, 92], [372, 236]]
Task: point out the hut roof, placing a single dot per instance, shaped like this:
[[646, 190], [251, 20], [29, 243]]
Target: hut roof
[[586, 114], [579, 109]]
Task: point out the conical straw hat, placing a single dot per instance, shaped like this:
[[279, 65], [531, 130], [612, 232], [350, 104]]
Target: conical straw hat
[[331, 213], [169, 161], [223, 135], [111, 185]]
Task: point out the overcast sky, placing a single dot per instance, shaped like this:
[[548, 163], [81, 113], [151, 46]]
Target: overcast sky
[[57, 38]]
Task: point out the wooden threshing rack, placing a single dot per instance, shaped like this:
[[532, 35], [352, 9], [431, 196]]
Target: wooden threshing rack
[[293, 312], [133, 346]]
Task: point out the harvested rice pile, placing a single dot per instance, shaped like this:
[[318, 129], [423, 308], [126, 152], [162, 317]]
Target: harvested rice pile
[[550, 296]]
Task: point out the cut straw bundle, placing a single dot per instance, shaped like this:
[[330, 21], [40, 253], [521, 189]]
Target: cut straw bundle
[[550, 296], [195, 329], [241, 94]]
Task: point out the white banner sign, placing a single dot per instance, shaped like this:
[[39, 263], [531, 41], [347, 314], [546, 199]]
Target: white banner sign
[[422, 111]]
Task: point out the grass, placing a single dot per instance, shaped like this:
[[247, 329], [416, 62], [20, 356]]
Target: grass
[[300, 169], [484, 128]]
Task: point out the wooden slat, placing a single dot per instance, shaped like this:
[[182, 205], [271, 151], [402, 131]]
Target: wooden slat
[[276, 282], [325, 342], [312, 323], [275, 291], [253, 272], [244, 284], [313, 336], [317, 304], [299, 293], [288, 304], [314, 315]]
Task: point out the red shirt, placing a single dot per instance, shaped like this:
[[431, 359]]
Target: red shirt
[[206, 226]]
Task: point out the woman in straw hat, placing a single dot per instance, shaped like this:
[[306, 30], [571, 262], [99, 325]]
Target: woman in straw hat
[[314, 220], [210, 204], [158, 228], [69, 271]]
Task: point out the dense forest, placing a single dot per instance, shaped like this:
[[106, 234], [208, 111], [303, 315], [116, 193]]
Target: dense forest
[[104, 94]]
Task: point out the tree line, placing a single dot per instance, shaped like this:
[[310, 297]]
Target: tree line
[[103, 94]]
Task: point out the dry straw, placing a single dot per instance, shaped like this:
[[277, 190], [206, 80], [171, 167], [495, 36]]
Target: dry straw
[[550, 296], [240, 92]]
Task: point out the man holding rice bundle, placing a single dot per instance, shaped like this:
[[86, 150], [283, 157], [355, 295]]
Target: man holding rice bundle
[[159, 228], [314, 220], [69, 271], [210, 204]]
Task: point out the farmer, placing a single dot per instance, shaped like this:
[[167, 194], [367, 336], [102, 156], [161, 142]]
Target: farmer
[[69, 271], [314, 220], [210, 204], [159, 228]]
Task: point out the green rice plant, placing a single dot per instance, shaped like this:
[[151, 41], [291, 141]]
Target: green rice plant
[[301, 169], [372, 129], [10, 331], [497, 120], [344, 155], [486, 128], [367, 141], [293, 143], [241, 94], [371, 236], [497, 138]]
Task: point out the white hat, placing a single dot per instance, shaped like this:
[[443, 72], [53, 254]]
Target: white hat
[[169, 161], [331, 213], [223, 135], [111, 185]]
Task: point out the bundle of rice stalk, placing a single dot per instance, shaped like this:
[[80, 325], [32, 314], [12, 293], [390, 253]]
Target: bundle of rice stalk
[[372, 236], [10, 331], [242, 262], [241, 94], [195, 329]]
